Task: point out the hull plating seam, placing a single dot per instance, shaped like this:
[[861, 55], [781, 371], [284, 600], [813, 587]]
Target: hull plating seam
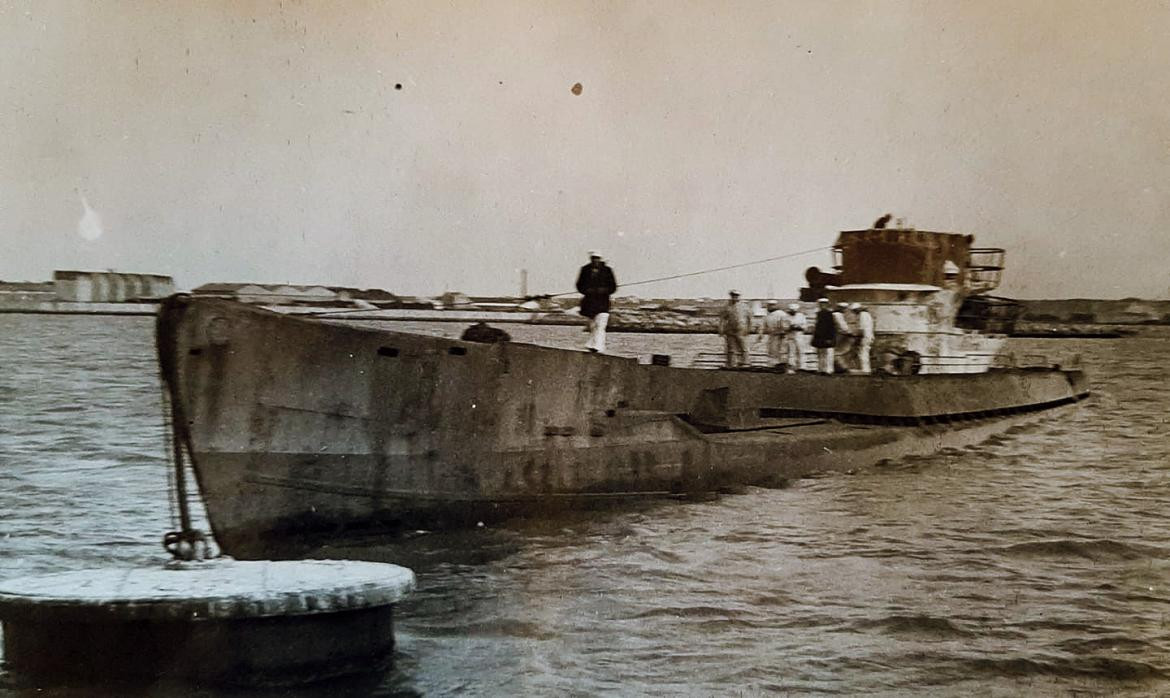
[[953, 417]]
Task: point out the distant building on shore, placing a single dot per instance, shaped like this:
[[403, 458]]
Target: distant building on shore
[[110, 286], [313, 296], [274, 294]]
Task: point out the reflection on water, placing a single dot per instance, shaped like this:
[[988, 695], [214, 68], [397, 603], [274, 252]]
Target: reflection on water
[[1033, 564]]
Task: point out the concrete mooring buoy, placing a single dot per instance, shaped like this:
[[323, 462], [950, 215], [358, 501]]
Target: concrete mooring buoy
[[214, 621]]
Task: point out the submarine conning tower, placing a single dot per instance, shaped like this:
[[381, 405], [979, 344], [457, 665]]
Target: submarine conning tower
[[926, 292], [908, 256]]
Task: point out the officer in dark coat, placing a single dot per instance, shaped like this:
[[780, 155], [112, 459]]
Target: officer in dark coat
[[596, 284], [824, 336]]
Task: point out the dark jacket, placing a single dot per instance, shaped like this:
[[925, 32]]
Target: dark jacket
[[596, 285], [825, 330]]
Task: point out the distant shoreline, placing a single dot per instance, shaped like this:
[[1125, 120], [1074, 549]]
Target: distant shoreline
[[77, 308]]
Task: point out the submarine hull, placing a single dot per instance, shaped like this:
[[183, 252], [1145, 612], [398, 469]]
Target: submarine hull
[[303, 428]]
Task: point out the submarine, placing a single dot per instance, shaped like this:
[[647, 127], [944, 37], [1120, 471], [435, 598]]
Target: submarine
[[307, 428]]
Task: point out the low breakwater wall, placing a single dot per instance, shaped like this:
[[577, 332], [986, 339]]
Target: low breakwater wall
[[76, 308]]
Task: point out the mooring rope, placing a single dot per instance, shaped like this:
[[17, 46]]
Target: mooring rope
[[187, 543], [168, 436], [725, 268]]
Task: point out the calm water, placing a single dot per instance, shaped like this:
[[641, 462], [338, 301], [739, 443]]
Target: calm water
[[1035, 564]]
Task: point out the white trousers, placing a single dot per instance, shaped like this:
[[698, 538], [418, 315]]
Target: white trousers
[[597, 332], [825, 359], [792, 351], [864, 346]]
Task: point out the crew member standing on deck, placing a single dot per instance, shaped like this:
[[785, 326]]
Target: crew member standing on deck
[[735, 323], [864, 337], [843, 352], [794, 338], [775, 329], [824, 336], [596, 284]]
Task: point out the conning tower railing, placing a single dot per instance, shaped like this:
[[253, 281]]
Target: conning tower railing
[[984, 268], [988, 314]]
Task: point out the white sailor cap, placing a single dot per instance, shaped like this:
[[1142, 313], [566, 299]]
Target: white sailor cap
[[794, 307], [594, 253]]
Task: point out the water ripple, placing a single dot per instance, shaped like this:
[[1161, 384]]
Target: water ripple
[[1035, 563]]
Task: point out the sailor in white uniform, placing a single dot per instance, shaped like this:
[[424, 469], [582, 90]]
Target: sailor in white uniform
[[794, 338], [775, 328], [864, 337]]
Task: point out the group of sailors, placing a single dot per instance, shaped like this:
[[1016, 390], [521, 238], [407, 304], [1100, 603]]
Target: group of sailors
[[842, 335]]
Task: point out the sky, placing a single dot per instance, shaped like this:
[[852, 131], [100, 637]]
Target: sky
[[429, 146]]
